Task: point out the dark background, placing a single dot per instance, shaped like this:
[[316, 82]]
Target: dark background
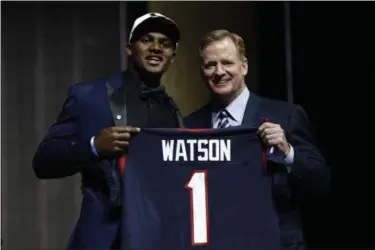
[[46, 47], [333, 75]]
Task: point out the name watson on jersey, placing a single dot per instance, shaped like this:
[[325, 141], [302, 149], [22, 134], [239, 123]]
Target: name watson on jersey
[[196, 150]]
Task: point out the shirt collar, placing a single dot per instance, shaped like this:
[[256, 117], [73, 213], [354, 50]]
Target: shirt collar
[[236, 108]]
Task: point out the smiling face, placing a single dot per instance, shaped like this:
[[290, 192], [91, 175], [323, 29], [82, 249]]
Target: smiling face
[[223, 69], [152, 52]]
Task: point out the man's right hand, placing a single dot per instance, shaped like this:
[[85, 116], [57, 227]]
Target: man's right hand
[[114, 140]]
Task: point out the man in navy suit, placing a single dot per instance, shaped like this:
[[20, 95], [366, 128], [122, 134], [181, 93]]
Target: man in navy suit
[[282, 127], [98, 119]]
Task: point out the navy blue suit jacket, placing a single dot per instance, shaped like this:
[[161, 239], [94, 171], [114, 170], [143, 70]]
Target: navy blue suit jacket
[[65, 150], [310, 175]]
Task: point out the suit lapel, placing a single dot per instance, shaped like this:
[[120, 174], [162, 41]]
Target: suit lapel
[[252, 106], [116, 99], [122, 94]]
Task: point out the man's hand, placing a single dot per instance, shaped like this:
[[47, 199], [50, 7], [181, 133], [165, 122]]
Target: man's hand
[[273, 135], [114, 140]]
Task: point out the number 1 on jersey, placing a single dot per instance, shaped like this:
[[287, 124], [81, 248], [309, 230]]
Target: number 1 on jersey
[[197, 186]]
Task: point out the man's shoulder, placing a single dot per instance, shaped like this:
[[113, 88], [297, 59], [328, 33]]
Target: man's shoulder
[[280, 111], [202, 111], [277, 105], [199, 115], [84, 87]]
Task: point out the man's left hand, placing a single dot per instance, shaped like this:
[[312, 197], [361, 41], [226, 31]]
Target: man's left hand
[[273, 135]]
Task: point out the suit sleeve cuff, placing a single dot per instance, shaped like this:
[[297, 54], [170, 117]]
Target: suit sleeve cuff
[[93, 149]]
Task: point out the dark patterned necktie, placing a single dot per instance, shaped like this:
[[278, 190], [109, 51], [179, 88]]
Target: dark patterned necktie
[[223, 119]]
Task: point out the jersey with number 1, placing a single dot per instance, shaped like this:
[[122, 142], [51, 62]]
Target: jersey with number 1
[[207, 189]]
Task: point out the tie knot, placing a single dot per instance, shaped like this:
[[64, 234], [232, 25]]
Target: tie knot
[[223, 114], [223, 119]]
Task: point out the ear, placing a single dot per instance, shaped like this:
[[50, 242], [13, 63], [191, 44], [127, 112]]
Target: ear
[[201, 72], [128, 49], [244, 66], [173, 57]]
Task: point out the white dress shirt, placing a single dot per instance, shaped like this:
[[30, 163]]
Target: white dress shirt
[[236, 111]]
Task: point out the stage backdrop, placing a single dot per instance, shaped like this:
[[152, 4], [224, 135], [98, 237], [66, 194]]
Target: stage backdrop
[[46, 47], [195, 19]]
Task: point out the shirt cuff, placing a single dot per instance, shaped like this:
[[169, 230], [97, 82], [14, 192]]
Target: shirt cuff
[[93, 149], [289, 159]]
